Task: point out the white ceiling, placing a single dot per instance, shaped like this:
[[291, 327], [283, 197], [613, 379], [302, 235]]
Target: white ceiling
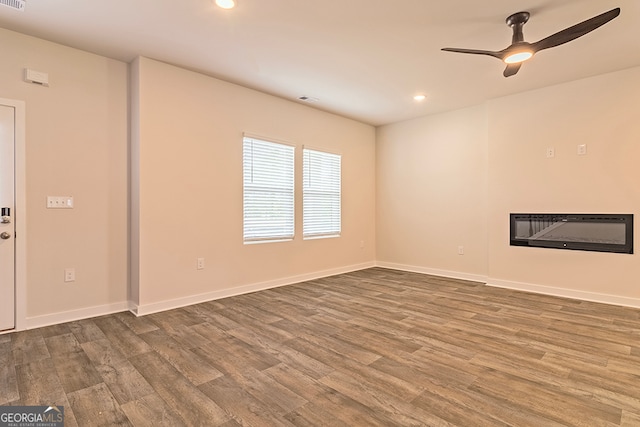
[[363, 59]]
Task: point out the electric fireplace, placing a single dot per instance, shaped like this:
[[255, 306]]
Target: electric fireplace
[[585, 232]]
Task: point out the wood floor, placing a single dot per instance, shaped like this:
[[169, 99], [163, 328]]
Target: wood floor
[[371, 348]]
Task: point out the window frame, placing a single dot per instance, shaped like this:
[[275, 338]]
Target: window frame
[[274, 192], [310, 220]]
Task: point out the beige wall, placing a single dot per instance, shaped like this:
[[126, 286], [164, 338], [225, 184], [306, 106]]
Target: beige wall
[[601, 112], [186, 131], [432, 174], [76, 144], [432, 195], [190, 187], [186, 159]]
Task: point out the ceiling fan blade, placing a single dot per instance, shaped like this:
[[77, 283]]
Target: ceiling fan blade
[[511, 69], [575, 31], [473, 51]]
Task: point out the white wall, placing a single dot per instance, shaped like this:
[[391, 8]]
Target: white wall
[[76, 144], [189, 179], [434, 171]]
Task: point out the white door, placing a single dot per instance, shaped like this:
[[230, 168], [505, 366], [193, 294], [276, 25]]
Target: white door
[[7, 217]]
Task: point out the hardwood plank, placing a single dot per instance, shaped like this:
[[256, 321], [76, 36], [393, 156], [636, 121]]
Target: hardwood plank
[[522, 367], [151, 411], [168, 319], [385, 409], [241, 405], [375, 347], [231, 358], [278, 398], [8, 380], [8, 384], [101, 352], [630, 419], [313, 415], [54, 330], [59, 345], [124, 381], [384, 344], [425, 372], [39, 384], [121, 337], [297, 382], [464, 407], [138, 325], [345, 409], [182, 397], [193, 367], [86, 331], [386, 382], [624, 366], [76, 371], [447, 409], [557, 406], [95, 406], [279, 353], [574, 342], [28, 346]]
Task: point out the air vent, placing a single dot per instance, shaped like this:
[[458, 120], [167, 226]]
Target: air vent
[[308, 98], [14, 4]]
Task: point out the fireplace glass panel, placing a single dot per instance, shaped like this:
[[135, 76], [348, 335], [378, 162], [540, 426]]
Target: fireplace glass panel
[[590, 232]]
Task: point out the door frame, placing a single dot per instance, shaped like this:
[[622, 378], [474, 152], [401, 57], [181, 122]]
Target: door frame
[[20, 196]]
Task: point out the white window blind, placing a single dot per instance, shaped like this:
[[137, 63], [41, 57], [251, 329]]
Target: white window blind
[[268, 196], [321, 190]]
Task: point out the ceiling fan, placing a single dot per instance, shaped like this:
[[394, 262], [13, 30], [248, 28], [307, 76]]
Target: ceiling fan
[[519, 50]]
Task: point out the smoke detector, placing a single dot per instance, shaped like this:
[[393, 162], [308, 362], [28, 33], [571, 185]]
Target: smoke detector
[[14, 4]]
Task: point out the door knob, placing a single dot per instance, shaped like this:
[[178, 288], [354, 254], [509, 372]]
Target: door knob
[[4, 235]]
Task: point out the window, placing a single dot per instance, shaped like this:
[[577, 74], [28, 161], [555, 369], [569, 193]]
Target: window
[[268, 190], [321, 194]]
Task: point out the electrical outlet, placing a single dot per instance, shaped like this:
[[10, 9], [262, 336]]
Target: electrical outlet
[[460, 250], [551, 152], [582, 149], [69, 274], [200, 264]]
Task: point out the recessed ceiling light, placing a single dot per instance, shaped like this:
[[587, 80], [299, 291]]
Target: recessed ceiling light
[[226, 4], [420, 97]]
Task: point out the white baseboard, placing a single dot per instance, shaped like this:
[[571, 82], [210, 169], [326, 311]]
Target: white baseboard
[[145, 309], [72, 315], [140, 310], [519, 286], [566, 293], [433, 271]]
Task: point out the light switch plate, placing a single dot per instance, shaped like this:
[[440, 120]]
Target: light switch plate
[[59, 202]]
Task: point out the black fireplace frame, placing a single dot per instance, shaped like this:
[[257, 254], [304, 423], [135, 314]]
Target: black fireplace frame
[[624, 248]]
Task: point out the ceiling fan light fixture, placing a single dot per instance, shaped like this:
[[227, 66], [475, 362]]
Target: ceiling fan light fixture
[[519, 50], [226, 4], [518, 57]]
